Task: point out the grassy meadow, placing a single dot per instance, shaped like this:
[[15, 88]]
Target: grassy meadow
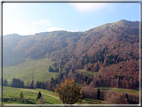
[[93, 101], [88, 72], [10, 92], [36, 69], [49, 96], [131, 91]]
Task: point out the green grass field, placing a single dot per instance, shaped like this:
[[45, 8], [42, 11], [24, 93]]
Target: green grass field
[[88, 72], [31, 68], [46, 91], [93, 101], [90, 101], [50, 97], [132, 91], [9, 92]]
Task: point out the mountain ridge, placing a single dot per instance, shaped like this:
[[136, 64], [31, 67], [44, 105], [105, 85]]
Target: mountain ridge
[[99, 47], [122, 22]]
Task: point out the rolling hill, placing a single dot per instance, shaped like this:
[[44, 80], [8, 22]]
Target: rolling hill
[[101, 47], [30, 69]]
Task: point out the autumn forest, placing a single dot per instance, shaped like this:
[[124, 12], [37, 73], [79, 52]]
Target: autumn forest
[[104, 56]]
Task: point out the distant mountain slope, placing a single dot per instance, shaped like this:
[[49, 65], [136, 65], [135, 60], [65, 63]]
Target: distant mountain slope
[[30, 69], [9, 56], [91, 50]]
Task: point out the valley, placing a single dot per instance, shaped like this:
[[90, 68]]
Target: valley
[[104, 56]]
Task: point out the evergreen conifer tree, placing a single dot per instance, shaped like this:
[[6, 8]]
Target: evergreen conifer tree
[[39, 95], [32, 84], [98, 94], [5, 83], [21, 95]]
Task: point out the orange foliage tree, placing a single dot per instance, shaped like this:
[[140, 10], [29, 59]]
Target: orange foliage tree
[[69, 92]]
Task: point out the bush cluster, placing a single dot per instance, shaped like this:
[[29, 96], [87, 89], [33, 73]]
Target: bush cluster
[[110, 97], [15, 99]]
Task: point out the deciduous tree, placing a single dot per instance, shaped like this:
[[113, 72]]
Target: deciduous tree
[[69, 92]]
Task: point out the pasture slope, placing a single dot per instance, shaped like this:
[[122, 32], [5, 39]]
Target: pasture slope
[[37, 69], [48, 96]]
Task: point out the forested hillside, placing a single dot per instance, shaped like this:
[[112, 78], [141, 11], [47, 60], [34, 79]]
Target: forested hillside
[[111, 51]]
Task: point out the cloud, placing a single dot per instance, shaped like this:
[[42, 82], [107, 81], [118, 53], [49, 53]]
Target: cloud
[[58, 29], [84, 7], [19, 28], [23, 28], [28, 28], [43, 22], [73, 31], [54, 29]]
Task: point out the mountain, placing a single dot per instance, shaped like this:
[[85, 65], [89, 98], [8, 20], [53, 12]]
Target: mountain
[[93, 50]]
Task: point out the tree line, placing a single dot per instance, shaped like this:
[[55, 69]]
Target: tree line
[[53, 70], [15, 83], [75, 92]]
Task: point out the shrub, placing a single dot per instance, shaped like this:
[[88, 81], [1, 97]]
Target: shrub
[[88, 92], [24, 101], [132, 98], [115, 98], [21, 95]]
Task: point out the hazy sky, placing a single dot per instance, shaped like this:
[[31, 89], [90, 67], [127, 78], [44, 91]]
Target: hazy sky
[[30, 18]]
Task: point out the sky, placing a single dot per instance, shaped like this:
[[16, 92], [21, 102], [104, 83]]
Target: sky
[[31, 18]]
